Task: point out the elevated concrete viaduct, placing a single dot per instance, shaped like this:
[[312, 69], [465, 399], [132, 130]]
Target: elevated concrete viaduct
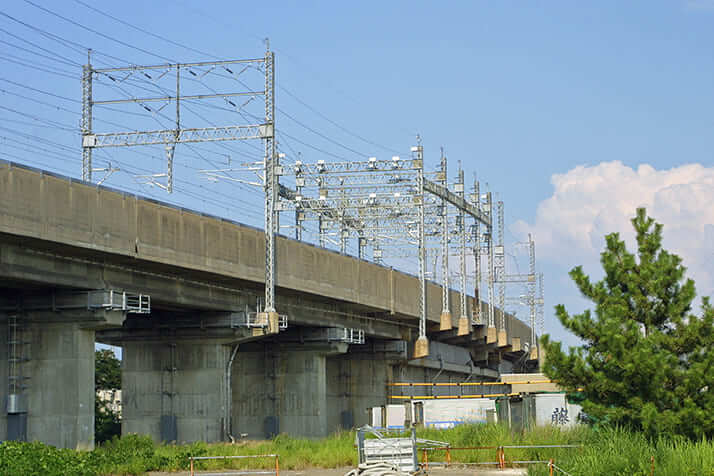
[[179, 291]]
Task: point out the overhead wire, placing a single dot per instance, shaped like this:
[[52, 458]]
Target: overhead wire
[[39, 119], [292, 95], [40, 91], [131, 25], [96, 32], [51, 58], [65, 42], [343, 129], [38, 68], [25, 40], [65, 157]]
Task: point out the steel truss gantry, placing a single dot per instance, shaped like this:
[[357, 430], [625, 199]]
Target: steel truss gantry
[[264, 131], [170, 138], [396, 208], [532, 280]]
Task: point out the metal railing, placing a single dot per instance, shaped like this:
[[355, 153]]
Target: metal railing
[[501, 462], [258, 320], [275, 470], [348, 335], [119, 301]]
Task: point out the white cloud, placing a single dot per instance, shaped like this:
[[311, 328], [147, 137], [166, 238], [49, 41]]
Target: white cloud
[[590, 202], [699, 4]]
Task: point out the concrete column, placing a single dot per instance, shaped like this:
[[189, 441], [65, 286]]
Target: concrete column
[[58, 366], [357, 382], [282, 389], [174, 391]]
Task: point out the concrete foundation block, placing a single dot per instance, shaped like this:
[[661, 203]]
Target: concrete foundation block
[[464, 326], [502, 338], [273, 325], [515, 344], [421, 347], [445, 321], [491, 335], [534, 353]]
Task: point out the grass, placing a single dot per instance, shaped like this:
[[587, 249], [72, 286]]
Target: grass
[[604, 452]]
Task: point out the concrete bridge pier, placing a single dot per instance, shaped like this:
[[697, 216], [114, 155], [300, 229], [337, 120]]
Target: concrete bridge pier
[[175, 390], [54, 398], [47, 366], [283, 388]]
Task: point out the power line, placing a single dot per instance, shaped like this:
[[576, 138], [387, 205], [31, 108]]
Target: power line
[[168, 59], [46, 34], [39, 139], [52, 123], [123, 43], [317, 149], [344, 129], [38, 68], [40, 91], [361, 154], [127, 167], [59, 108], [35, 53], [130, 25], [23, 159], [54, 54], [63, 41]]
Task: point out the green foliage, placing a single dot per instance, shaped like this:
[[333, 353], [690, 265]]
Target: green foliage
[[107, 376], [107, 370], [604, 452], [37, 459], [647, 362], [617, 452], [107, 424]]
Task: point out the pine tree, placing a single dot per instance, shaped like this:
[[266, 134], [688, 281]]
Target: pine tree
[[647, 362]]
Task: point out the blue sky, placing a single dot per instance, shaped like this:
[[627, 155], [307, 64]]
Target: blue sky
[[518, 91]]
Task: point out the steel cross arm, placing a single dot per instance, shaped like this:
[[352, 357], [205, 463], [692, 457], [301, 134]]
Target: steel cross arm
[[517, 278], [376, 166], [393, 177], [457, 201], [363, 215], [352, 203], [308, 205], [406, 252], [340, 182], [375, 195], [170, 98], [180, 65], [172, 136]]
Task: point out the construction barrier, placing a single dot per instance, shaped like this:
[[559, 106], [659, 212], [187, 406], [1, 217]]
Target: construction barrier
[[465, 384], [451, 397], [461, 385], [500, 455], [275, 471]]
